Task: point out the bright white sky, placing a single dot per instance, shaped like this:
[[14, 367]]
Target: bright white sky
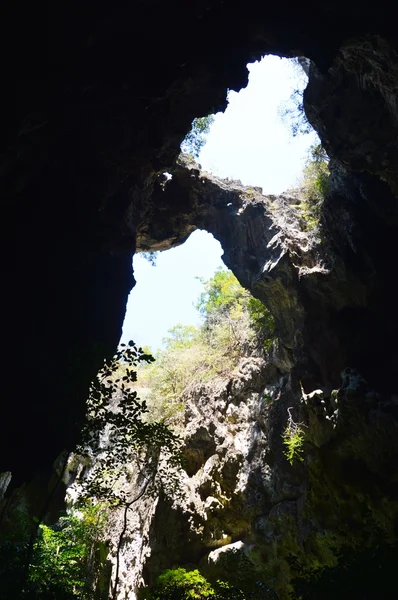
[[248, 142]]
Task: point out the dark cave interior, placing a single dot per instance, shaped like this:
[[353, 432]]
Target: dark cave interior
[[97, 101]]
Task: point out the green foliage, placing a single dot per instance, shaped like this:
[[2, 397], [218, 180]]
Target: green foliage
[[180, 584], [261, 317], [67, 558], [62, 561], [314, 186], [16, 528], [293, 438], [233, 322], [293, 114], [222, 292], [316, 174], [120, 443], [185, 359], [196, 138], [292, 111], [181, 336], [117, 434]]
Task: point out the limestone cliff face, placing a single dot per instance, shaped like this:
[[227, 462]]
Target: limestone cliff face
[[239, 494], [325, 290], [334, 281]]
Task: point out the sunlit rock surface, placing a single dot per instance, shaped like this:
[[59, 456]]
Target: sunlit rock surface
[[324, 288]]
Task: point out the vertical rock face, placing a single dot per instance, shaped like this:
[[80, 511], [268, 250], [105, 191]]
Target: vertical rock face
[[335, 281], [331, 375], [240, 496]]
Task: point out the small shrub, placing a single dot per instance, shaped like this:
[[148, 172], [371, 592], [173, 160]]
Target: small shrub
[[179, 584], [293, 438], [314, 186]]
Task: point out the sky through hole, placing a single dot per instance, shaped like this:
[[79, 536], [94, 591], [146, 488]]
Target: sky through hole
[[249, 142]]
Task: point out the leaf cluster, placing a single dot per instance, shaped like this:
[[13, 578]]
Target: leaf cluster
[[196, 138], [66, 560], [150, 256], [293, 438], [224, 301], [180, 584], [117, 436], [234, 323], [314, 185]]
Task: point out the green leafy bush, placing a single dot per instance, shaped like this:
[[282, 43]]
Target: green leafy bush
[[67, 558], [67, 562], [180, 584], [233, 319], [314, 186]]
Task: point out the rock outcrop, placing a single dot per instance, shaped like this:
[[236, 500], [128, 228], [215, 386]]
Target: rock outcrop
[[334, 281], [240, 497], [325, 290]]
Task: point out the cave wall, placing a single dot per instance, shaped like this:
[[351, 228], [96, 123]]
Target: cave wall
[[331, 369], [329, 290], [97, 100]]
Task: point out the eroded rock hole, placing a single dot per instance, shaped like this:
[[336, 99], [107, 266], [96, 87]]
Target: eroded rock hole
[[287, 458]]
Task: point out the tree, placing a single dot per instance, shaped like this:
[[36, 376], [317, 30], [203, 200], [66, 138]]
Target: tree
[[233, 317], [118, 443], [196, 138], [315, 180], [234, 324], [117, 434], [121, 444], [66, 561], [222, 292], [67, 556], [292, 112], [181, 336]]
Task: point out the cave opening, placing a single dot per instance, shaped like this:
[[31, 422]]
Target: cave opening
[[261, 140], [104, 97]]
